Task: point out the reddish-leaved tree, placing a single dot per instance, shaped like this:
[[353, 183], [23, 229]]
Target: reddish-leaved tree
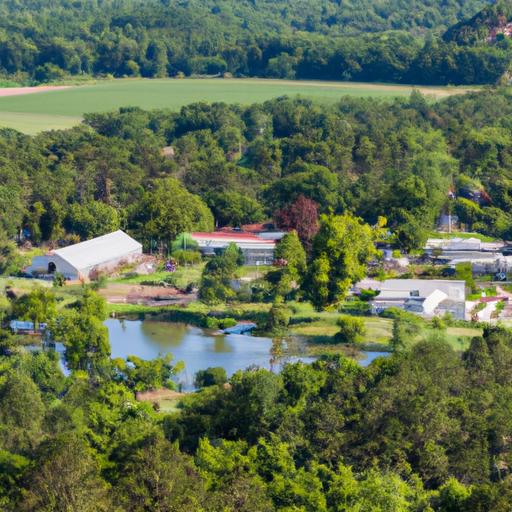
[[302, 216]]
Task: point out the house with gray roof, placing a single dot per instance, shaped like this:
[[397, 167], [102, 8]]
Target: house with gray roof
[[425, 297]]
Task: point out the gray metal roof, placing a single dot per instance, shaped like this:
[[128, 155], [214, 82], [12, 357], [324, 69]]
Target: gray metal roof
[[99, 250], [396, 288]]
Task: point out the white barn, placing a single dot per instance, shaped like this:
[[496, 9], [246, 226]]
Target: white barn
[[77, 261]]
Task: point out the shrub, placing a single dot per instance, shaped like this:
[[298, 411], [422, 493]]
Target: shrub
[[464, 272], [355, 307], [58, 280], [438, 323], [352, 329], [220, 323], [212, 376], [98, 281], [279, 317], [186, 257], [225, 323], [212, 323], [368, 295]]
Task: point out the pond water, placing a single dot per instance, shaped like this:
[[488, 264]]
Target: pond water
[[197, 348]]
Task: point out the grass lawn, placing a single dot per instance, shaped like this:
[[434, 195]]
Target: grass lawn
[[65, 295], [31, 123], [182, 277], [321, 326], [459, 337], [483, 238], [63, 108]]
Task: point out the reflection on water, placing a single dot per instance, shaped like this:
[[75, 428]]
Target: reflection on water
[[199, 349], [368, 357]]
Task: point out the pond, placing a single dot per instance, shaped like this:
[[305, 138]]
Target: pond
[[196, 347]]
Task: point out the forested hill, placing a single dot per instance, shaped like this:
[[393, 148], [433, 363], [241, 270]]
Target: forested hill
[[487, 26], [323, 16], [363, 40]]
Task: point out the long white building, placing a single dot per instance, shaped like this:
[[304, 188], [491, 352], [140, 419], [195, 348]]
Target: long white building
[[79, 261]]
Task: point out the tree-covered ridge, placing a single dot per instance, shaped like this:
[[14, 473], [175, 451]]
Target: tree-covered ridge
[[233, 165], [322, 16], [481, 28], [365, 41]]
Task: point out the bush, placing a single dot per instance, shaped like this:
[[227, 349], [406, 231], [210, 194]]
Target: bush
[[213, 376], [279, 317], [98, 281], [212, 323], [352, 329], [464, 272], [225, 323], [368, 295], [220, 323], [58, 280], [355, 307], [438, 323], [186, 257]]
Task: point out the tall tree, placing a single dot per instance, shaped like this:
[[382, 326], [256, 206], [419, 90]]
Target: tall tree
[[341, 250]]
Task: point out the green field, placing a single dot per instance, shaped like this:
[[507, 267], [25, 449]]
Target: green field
[[61, 109], [32, 124]]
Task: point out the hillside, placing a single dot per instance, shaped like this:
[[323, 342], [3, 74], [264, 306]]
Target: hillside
[[322, 16], [491, 25], [363, 40]]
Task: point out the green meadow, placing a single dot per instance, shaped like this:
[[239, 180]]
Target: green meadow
[[60, 109]]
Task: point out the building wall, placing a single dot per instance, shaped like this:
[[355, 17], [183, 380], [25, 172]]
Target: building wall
[[258, 256], [456, 309], [432, 301], [111, 264], [40, 266]]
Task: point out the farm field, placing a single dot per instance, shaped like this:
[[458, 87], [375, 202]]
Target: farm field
[[63, 108]]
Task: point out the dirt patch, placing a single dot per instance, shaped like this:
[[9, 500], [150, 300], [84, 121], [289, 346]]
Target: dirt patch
[[19, 91], [119, 293], [159, 394]]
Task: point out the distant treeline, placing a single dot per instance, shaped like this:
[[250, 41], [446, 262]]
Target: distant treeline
[[43, 41]]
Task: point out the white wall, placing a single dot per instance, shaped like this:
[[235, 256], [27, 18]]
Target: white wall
[[40, 265], [432, 301]]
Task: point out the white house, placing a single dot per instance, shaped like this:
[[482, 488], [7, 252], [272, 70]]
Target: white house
[[77, 261], [427, 298]]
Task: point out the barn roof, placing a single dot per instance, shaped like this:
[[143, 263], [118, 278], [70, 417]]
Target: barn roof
[[99, 250]]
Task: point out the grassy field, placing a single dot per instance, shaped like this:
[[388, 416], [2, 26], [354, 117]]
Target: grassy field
[[64, 108], [464, 235], [33, 124]]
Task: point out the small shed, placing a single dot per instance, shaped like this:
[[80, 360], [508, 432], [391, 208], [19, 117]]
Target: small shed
[[80, 261]]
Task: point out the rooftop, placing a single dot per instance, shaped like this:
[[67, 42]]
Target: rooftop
[[98, 250], [396, 288]]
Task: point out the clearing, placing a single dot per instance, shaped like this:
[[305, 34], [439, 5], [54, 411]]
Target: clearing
[[63, 107]]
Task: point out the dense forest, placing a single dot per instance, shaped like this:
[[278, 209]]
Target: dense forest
[[407, 160], [423, 430], [393, 41]]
